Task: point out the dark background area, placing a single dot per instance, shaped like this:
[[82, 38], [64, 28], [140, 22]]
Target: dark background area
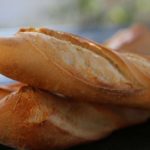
[[132, 138]]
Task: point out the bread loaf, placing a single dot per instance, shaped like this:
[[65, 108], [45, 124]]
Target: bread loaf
[[32, 119], [66, 64]]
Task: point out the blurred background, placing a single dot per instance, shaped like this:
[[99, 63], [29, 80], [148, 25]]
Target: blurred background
[[95, 19], [79, 13]]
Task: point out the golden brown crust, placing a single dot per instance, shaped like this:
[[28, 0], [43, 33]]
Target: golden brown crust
[[74, 67], [88, 44], [30, 116]]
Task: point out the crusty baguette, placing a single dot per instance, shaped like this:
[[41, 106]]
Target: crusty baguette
[[135, 39], [77, 68], [35, 120]]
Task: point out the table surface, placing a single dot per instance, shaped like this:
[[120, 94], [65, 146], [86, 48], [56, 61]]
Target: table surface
[[132, 138]]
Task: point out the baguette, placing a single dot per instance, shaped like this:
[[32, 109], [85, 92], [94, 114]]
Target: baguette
[[134, 39], [77, 68], [35, 120]]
